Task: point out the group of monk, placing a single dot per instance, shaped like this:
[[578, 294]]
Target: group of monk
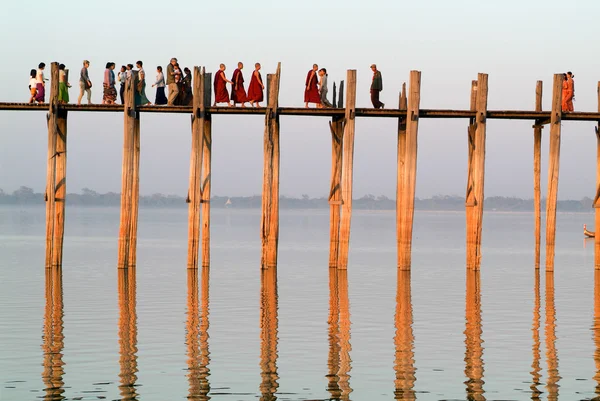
[[238, 93], [568, 92]]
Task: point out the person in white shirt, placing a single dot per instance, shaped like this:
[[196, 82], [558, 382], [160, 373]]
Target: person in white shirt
[[161, 98], [32, 85], [122, 77]]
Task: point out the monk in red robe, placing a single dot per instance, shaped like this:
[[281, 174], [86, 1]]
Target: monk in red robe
[[221, 81], [563, 102], [255, 90], [311, 91], [570, 91], [238, 93]]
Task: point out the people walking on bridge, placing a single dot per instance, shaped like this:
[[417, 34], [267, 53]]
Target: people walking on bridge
[[221, 81], [63, 85], [85, 85], [122, 77], [256, 87], [109, 95], [171, 83], [238, 92], [160, 87], [32, 85], [376, 87], [141, 98], [323, 88], [311, 90], [40, 85]]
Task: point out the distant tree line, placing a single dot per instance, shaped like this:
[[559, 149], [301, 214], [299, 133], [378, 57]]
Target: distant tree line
[[88, 197]]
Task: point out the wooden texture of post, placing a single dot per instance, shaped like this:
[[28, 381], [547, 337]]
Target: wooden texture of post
[[403, 105], [270, 196], [60, 186], [194, 197], [474, 364], [347, 166], [475, 188], [537, 166], [597, 196], [206, 174], [51, 164], [404, 362], [337, 134], [409, 180], [553, 168], [470, 196], [553, 376], [130, 180]]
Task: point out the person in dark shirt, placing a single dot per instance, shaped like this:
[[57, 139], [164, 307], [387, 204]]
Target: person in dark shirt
[[376, 87]]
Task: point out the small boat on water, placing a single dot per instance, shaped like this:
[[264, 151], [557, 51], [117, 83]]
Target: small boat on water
[[589, 234]]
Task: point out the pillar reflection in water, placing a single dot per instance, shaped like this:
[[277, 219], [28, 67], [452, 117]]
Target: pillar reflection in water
[[535, 329], [268, 333], [404, 340], [339, 362], [550, 330], [474, 350], [596, 331], [127, 334], [53, 338], [197, 336]]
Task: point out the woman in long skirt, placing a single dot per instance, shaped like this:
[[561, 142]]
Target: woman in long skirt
[[141, 85], [109, 95], [63, 85], [323, 88], [160, 87]]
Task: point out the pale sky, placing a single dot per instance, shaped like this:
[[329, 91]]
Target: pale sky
[[515, 42]]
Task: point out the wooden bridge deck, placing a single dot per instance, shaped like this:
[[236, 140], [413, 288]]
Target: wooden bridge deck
[[329, 112]]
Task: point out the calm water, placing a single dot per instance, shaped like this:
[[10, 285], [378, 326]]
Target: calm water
[[303, 332]]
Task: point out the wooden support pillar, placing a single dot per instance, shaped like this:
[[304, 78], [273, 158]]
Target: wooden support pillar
[[553, 376], [53, 134], [53, 337], [344, 328], [474, 365], [337, 133], [340, 103], [197, 324], [206, 173], [269, 324], [553, 168], [407, 191], [535, 328], [597, 196], [333, 359], [270, 196], [194, 198], [334, 97], [404, 362], [127, 334], [537, 166], [130, 180], [60, 191], [403, 105], [347, 166], [475, 192]]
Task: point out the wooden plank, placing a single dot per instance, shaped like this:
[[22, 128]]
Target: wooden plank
[[52, 119], [194, 197], [131, 127], [335, 196], [347, 171], [270, 194], [405, 224], [537, 166], [60, 184], [403, 105], [474, 211], [206, 177], [553, 169], [597, 197]]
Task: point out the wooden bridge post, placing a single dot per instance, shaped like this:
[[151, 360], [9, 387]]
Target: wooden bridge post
[[337, 134], [270, 195], [405, 224], [347, 165], [475, 193], [553, 168], [130, 180], [596, 203], [53, 133], [206, 173], [194, 198], [60, 184], [403, 105], [537, 166]]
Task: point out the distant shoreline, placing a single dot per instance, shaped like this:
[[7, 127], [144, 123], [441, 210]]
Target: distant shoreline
[[87, 197]]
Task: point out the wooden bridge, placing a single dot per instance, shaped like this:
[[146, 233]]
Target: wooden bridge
[[342, 126]]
